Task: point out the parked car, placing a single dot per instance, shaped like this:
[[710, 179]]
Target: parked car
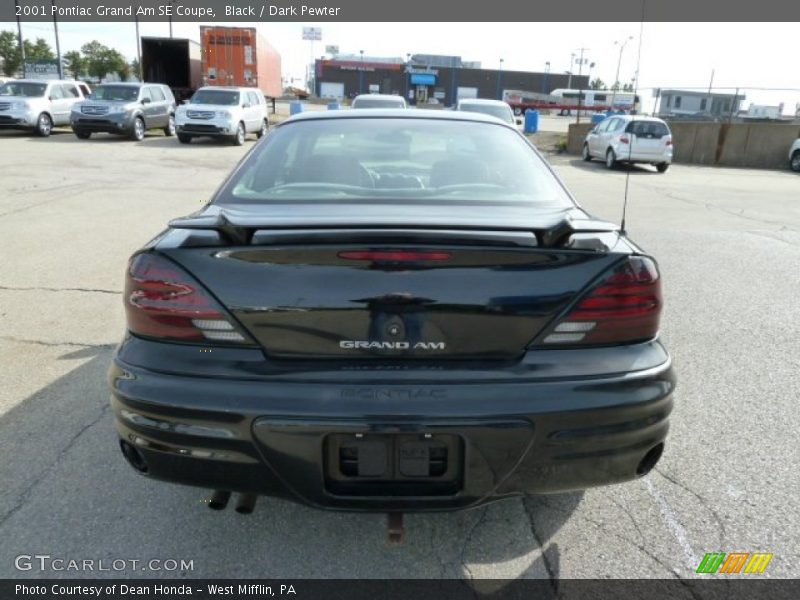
[[224, 112], [391, 310], [379, 101], [494, 108], [630, 139], [39, 105], [129, 109], [794, 156]]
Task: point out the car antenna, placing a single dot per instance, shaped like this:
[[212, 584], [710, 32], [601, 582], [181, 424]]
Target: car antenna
[[635, 93]]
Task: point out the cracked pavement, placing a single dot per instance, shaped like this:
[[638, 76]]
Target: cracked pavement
[[728, 242]]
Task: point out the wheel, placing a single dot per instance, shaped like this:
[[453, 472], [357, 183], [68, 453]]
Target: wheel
[[83, 135], [263, 131], [564, 112], [137, 133], [169, 130], [662, 167], [611, 159], [184, 139], [585, 154], [518, 111], [796, 161], [238, 138], [44, 125]]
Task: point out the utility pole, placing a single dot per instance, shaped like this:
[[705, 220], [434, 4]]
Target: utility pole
[[138, 50], [58, 44], [615, 86], [499, 81], [19, 37], [580, 86], [571, 66], [710, 97]]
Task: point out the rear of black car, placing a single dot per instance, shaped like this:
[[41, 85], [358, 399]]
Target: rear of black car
[[394, 333]]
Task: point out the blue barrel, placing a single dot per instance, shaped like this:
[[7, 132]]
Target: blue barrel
[[531, 121], [295, 107], [598, 118], [334, 106]]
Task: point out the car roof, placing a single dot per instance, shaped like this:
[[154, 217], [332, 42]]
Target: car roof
[[486, 101], [398, 113], [228, 88], [381, 96]]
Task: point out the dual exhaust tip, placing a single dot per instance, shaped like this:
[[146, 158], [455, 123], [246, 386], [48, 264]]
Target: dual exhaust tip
[[245, 504]]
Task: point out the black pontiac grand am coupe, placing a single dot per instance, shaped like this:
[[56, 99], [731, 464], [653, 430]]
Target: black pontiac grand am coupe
[[392, 310]]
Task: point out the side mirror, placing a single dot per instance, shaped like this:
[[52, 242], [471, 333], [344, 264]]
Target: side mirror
[[593, 130], [145, 100], [519, 121], [246, 105]]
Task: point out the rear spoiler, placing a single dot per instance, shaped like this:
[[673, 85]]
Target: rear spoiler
[[240, 231]]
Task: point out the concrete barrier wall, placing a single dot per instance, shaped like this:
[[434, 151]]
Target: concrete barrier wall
[[755, 145]]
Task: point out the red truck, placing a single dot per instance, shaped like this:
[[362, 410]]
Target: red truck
[[240, 56]]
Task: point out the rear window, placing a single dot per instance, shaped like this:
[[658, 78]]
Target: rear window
[[647, 129], [493, 110], [402, 159], [378, 103]]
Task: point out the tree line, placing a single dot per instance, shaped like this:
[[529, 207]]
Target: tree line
[[94, 59]]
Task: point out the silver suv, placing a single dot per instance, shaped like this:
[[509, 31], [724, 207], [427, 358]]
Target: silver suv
[[224, 112], [630, 139], [39, 105], [125, 109]]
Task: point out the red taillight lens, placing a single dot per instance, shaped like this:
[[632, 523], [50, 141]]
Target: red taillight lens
[[394, 255], [624, 140], [624, 307], [163, 301]]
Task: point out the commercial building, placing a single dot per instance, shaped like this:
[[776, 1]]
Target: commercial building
[[694, 103], [428, 79]]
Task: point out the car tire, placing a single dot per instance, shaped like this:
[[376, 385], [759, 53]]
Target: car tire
[[82, 135], [169, 130], [44, 125], [264, 129], [795, 162], [184, 139], [138, 129], [611, 159], [238, 137], [662, 167], [585, 154]]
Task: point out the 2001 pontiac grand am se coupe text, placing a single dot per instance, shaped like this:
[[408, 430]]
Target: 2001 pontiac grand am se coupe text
[[392, 310]]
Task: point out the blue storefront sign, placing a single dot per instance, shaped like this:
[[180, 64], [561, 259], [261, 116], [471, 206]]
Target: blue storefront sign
[[423, 79]]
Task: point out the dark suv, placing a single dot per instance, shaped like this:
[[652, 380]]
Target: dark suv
[[126, 109]]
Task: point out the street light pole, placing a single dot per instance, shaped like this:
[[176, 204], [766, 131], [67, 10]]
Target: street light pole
[[19, 36], [361, 74], [499, 80], [571, 66], [58, 44], [546, 74], [615, 86]]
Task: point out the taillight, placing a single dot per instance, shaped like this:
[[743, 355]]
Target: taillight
[[624, 140], [624, 307], [164, 301]]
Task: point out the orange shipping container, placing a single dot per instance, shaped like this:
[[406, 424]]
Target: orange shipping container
[[240, 56]]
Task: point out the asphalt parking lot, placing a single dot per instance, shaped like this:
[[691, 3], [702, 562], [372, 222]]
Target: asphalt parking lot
[[728, 242]]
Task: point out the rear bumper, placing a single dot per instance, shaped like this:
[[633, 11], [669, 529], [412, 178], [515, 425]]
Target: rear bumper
[[511, 434]]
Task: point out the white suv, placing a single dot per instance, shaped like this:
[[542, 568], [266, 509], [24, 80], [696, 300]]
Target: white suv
[[794, 156], [38, 104], [630, 139], [227, 112]]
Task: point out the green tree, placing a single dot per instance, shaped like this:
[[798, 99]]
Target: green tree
[[102, 60], [74, 63], [628, 87], [135, 69], [9, 53], [597, 84], [38, 50]]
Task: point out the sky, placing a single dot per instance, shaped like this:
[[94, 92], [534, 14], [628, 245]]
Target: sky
[[673, 55]]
